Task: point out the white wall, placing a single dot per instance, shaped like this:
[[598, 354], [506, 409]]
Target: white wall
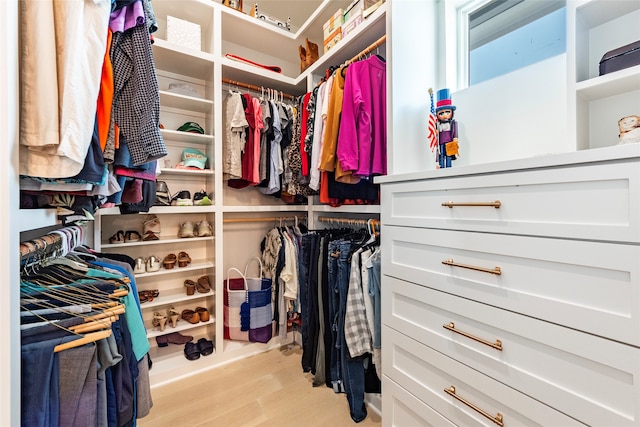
[[517, 115], [412, 30], [9, 262]]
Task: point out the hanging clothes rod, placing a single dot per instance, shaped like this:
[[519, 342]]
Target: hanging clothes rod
[[349, 221], [255, 88], [369, 49], [266, 219]]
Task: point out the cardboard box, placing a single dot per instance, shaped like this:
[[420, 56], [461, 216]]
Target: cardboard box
[[333, 39], [184, 33], [334, 23], [351, 24]]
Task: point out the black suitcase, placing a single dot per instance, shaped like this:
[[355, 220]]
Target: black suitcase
[[622, 57]]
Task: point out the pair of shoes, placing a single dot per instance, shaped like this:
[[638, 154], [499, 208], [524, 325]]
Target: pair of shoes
[[308, 55], [203, 313], [132, 236], [191, 316], [169, 261], [148, 265], [204, 347], [200, 229], [173, 315], [159, 320], [201, 198], [172, 338], [151, 228], [203, 285], [191, 286], [183, 259], [183, 198], [117, 238], [148, 296]]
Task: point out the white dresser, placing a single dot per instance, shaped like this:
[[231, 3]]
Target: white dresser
[[511, 293]]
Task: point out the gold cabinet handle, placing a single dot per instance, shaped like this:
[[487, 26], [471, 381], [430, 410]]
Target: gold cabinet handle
[[451, 391], [452, 327], [450, 204], [495, 270]]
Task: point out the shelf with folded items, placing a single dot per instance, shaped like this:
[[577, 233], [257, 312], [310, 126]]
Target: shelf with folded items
[[185, 102], [163, 240], [193, 172], [182, 325]]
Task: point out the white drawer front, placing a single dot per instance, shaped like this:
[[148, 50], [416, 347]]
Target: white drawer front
[[427, 373], [593, 287], [402, 409], [595, 202], [591, 379]]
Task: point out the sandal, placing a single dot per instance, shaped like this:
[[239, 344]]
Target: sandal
[[150, 235], [205, 346], [173, 315], [191, 286], [132, 236], [203, 285], [117, 238], [203, 313], [159, 320], [183, 259], [140, 266], [169, 261], [151, 225], [191, 351], [191, 316]]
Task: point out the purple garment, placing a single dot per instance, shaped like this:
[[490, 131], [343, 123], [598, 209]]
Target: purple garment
[[127, 17], [362, 139]]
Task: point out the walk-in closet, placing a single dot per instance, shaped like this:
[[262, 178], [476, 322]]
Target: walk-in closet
[[222, 212]]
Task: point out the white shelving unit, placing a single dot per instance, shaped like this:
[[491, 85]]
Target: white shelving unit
[[594, 28], [223, 30]]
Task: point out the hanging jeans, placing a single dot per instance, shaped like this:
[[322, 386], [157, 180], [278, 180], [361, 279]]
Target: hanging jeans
[[351, 370]]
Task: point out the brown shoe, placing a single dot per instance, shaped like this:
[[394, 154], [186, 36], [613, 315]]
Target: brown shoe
[[203, 285], [191, 286], [191, 316], [203, 313], [312, 52], [303, 58]]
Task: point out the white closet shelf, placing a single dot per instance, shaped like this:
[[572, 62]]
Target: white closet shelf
[[373, 209], [616, 83], [184, 102], [187, 172], [182, 325], [162, 241], [182, 60], [161, 210], [189, 137], [267, 208], [167, 299], [194, 265], [257, 76], [32, 219]]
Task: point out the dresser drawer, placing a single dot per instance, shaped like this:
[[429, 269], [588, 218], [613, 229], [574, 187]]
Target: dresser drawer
[[590, 286], [402, 409], [591, 379], [595, 202], [427, 373]]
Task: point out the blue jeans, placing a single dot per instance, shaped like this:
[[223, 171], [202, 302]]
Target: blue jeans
[[352, 370]]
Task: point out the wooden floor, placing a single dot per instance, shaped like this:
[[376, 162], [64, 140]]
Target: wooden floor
[[268, 389]]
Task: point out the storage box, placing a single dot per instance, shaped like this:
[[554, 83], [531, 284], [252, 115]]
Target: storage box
[[184, 33], [622, 57], [334, 23], [352, 23], [357, 7], [333, 39]]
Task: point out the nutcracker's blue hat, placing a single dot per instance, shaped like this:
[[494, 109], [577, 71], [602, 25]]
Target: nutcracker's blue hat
[[444, 101]]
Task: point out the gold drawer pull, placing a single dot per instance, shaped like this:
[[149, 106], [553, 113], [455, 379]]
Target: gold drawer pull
[[452, 327], [451, 391], [451, 204], [495, 270]]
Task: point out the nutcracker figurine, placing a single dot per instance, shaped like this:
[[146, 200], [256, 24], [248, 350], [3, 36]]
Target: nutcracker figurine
[[447, 129]]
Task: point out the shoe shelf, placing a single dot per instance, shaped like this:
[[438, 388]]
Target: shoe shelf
[[161, 241], [185, 102], [182, 325], [194, 265], [167, 298], [162, 210], [187, 137]]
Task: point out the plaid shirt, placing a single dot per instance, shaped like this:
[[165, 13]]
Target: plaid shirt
[[136, 101], [356, 328]]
